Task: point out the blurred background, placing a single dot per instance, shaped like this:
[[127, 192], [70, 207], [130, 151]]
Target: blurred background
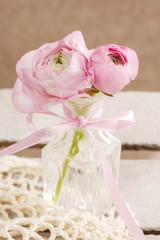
[[27, 24]]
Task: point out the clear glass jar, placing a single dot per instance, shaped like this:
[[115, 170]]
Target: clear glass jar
[[76, 180]]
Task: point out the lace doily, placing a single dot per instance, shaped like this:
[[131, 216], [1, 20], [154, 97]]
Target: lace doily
[[24, 215]]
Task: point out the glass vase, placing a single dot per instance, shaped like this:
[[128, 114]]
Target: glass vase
[[72, 169]]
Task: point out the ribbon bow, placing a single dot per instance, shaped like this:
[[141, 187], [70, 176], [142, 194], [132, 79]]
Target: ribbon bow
[[112, 123]]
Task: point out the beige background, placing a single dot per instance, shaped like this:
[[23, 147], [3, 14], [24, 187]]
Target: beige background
[[27, 24]]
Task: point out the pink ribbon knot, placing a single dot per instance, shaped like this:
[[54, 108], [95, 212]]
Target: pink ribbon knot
[[81, 121]]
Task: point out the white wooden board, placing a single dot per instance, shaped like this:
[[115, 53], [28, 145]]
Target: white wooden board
[[153, 237], [140, 185], [146, 106]]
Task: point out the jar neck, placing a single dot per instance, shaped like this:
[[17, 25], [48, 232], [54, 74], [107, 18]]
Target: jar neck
[[85, 107]]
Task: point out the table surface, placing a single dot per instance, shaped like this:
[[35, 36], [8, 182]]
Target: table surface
[[145, 133]]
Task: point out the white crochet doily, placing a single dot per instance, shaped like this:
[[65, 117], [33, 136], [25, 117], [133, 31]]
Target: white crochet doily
[[25, 215]]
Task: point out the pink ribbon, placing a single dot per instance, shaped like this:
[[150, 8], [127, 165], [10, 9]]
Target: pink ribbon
[[112, 123]]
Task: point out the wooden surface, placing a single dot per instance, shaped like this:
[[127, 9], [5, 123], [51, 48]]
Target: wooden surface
[[144, 135], [153, 237], [140, 186]]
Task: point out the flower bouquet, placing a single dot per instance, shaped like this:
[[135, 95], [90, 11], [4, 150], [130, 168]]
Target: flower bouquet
[[81, 159]]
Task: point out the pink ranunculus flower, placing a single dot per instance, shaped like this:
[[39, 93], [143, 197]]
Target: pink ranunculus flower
[[54, 73], [114, 66]]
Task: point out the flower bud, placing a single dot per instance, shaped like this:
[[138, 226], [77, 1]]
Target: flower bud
[[114, 66]]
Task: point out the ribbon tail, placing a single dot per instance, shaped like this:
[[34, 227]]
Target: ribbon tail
[[116, 122], [117, 196], [36, 138]]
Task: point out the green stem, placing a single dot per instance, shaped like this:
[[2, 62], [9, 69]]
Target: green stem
[[78, 135]]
